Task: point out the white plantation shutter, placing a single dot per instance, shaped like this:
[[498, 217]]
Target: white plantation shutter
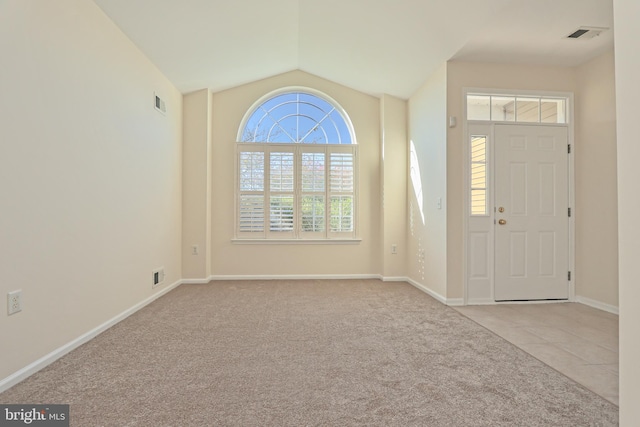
[[313, 172], [312, 211], [251, 171], [251, 177], [341, 172], [251, 213], [296, 192], [341, 214], [342, 175], [313, 198], [280, 214], [281, 192], [281, 173]]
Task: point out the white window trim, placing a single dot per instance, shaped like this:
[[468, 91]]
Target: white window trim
[[297, 235], [567, 96], [487, 164], [353, 241]]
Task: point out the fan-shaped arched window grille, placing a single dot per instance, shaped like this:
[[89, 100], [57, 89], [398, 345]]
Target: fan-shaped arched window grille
[[297, 117], [296, 169]]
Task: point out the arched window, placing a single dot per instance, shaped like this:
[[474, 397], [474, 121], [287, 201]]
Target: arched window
[[296, 169], [297, 117]]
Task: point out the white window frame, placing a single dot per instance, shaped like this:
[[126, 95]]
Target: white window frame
[[486, 164], [563, 116], [297, 235]]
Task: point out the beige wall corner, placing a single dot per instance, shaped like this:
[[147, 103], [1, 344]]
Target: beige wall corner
[[196, 185], [428, 200], [596, 210], [393, 119]]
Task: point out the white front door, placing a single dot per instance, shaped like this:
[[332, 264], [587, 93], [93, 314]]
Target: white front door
[[531, 250]]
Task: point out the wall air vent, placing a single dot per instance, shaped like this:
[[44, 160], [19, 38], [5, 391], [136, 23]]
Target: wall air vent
[[159, 104], [586, 33]]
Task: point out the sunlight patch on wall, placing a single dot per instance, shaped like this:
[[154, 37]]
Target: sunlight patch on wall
[[416, 178]]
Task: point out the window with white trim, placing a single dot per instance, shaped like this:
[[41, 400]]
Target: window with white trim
[[296, 169], [517, 108], [478, 175]]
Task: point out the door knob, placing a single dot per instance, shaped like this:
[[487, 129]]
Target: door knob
[[502, 221]]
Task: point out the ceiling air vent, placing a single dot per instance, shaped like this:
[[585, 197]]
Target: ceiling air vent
[[586, 33]]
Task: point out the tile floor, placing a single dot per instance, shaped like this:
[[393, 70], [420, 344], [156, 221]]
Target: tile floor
[[579, 341]]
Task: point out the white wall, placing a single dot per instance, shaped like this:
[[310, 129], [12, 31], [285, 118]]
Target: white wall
[[626, 16], [427, 238], [233, 259], [596, 210], [90, 175]]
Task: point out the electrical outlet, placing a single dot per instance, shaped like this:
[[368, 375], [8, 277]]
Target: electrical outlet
[[14, 302], [394, 249], [194, 250]]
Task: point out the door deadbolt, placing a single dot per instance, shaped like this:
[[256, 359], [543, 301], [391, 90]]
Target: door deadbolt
[[500, 209]]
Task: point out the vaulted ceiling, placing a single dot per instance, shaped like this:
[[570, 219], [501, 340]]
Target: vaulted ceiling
[[375, 46]]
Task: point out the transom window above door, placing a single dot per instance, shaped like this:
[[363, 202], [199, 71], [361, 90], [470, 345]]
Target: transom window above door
[[296, 170], [516, 108]]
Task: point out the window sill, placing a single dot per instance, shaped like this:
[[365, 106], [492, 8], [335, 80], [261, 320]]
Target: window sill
[[296, 241]]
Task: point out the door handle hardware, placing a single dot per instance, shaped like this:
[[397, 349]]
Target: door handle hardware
[[502, 221]]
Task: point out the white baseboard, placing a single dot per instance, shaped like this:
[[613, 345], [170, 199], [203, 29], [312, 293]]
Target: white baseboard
[[195, 281], [481, 301], [296, 277], [427, 291], [46, 360], [394, 279], [597, 304]]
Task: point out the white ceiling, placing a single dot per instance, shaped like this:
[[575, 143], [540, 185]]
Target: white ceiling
[[375, 46]]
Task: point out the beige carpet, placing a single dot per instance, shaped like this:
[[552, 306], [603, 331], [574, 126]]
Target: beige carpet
[[307, 353]]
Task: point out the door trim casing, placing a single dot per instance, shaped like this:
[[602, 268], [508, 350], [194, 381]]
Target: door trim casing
[[489, 298]]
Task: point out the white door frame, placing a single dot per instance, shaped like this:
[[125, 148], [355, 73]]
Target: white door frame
[[488, 297]]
